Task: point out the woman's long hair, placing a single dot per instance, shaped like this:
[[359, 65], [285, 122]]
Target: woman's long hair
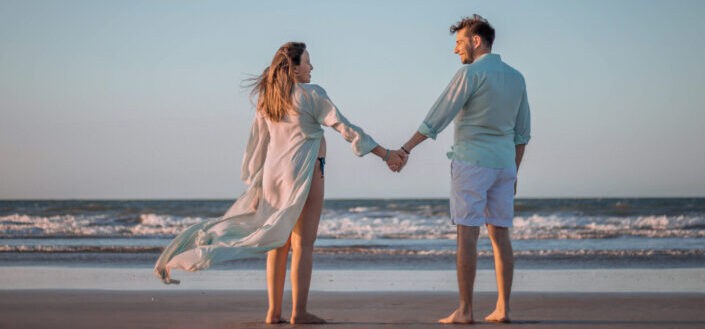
[[274, 86]]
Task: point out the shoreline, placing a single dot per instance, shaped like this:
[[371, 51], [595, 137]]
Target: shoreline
[[74, 309], [675, 280]]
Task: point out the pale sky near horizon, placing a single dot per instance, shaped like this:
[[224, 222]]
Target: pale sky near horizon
[[143, 99]]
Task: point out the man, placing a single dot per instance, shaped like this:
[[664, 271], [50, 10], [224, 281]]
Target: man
[[487, 100]]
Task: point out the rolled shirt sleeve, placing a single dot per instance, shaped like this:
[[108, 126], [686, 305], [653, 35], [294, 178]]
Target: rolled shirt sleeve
[[448, 104], [328, 115], [522, 129]]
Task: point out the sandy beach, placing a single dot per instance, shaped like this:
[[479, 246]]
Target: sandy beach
[[637, 271], [105, 309], [685, 280]]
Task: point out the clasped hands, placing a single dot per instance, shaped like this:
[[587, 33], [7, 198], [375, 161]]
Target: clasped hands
[[397, 160]]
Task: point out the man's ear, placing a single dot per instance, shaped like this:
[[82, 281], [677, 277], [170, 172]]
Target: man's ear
[[476, 41]]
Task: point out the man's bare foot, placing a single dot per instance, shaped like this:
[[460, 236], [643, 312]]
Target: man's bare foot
[[458, 317], [306, 318], [498, 316], [274, 319]]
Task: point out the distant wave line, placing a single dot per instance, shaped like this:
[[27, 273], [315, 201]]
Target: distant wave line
[[374, 251]]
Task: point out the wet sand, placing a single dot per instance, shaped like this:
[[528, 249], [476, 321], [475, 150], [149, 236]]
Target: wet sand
[[103, 309], [681, 280]]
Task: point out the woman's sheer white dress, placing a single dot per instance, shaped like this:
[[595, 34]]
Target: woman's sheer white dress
[[277, 166]]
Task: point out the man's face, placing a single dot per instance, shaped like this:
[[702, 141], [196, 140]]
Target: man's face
[[464, 47]]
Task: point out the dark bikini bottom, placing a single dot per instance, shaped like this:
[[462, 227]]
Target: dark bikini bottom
[[322, 163]]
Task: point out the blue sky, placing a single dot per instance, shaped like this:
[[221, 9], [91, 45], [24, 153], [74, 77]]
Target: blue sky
[[143, 99]]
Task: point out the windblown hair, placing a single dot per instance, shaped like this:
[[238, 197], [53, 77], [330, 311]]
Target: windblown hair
[[476, 25], [274, 86]]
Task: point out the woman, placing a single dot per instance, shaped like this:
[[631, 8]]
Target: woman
[[284, 168]]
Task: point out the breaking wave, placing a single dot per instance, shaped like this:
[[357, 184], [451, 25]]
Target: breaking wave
[[364, 224]]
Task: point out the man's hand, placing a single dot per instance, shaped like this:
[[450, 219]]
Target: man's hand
[[397, 160]]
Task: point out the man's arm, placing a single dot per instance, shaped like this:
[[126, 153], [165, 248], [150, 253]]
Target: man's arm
[[522, 132], [415, 140], [519, 154], [517, 158], [522, 129], [444, 110]]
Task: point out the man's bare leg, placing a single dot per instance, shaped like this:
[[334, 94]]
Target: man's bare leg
[[466, 261], [302, 239], [276, 273], [504, 270]]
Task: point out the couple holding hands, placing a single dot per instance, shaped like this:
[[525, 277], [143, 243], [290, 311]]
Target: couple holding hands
[[284, 166]]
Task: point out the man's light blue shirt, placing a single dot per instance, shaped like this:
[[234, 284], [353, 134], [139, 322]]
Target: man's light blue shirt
[[487, 100]]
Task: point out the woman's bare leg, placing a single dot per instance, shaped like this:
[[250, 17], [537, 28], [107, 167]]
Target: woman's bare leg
[[302, 239], [276, 273]]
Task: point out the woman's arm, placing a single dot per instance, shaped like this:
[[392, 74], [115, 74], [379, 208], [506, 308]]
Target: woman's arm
[[329, 115]]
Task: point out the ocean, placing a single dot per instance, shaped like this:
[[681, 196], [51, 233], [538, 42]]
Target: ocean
[[367, 234]]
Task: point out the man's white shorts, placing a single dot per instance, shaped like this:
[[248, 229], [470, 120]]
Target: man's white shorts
[[481, 195]]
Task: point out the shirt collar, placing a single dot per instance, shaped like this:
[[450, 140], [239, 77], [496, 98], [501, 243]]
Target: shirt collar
[[486, 56]]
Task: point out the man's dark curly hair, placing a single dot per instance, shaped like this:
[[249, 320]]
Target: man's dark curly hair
[[476, 25]]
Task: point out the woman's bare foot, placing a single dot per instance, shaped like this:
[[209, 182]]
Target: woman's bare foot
[[458, 316], [273, 318], [306, 318], [498, 316]]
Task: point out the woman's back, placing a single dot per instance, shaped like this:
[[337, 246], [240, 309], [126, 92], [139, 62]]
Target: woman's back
[[301, 122]]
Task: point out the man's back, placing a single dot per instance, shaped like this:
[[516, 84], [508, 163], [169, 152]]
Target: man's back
[[485, 126], [487, 101]]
